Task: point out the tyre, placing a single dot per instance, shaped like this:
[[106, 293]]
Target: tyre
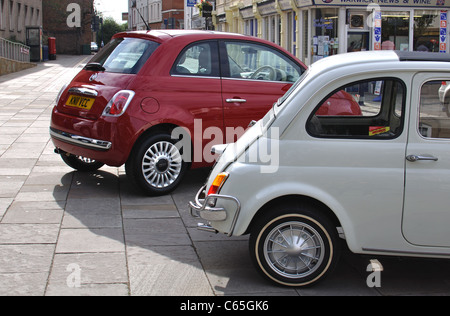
[[81, 163], [156, 165], [294, 246]]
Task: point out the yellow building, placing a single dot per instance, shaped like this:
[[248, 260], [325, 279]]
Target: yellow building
[[314, 29]]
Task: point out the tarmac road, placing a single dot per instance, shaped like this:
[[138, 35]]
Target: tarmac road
[[69, 233]]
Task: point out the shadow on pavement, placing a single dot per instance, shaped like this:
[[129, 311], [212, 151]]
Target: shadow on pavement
[[167, 255]]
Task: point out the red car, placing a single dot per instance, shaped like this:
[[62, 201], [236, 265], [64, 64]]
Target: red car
[[144, 92]]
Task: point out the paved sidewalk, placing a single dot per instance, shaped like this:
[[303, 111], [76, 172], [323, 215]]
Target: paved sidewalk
[[69, 233]]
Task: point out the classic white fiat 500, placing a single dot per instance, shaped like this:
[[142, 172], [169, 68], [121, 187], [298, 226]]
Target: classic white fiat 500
[[300, 179]]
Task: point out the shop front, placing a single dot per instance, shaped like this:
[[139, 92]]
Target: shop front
[[340, 26], [315, 29]]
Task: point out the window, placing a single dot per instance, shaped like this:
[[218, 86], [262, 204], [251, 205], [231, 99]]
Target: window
[[324, 32], [426, 30], [364, 109], [395, 30], [259, 62], [199, 59], [434, 115], [125, 55]]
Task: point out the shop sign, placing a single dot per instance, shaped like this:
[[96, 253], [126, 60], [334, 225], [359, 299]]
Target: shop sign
[[377, 30], [443, 33], [191, 3], [391, 3]]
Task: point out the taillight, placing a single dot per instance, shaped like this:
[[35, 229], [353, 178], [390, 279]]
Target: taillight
[[218, 183], [119, 103], [60, 93]]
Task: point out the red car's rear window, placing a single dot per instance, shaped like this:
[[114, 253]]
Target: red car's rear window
[[125, 55]]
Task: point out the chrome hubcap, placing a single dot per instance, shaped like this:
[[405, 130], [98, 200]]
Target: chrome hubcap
[[161, 164], [294, 249]]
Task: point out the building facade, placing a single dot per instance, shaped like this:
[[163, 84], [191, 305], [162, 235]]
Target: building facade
[[157, 14], [16, 16], [314, 29], [70, 22]]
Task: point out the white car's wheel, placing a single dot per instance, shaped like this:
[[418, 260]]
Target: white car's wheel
[[294, 246]]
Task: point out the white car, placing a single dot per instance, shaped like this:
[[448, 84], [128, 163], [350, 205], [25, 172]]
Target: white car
[[94, 47], [298, 180]]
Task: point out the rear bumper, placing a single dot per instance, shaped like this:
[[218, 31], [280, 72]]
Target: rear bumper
[[77, 140], [108, 140]]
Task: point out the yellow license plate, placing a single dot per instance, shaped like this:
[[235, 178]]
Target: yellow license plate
[[80, 102]]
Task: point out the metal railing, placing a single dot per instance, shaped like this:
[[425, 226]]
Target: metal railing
[[14, 51]]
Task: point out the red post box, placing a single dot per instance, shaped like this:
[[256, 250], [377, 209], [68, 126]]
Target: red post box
[[52, 48]]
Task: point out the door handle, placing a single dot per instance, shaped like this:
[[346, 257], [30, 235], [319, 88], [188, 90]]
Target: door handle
[[236, 100], [414, 158]]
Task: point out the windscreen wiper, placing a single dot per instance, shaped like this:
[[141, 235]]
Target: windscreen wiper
[[94, 67]]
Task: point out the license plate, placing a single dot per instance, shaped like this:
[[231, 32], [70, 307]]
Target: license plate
[[80, 102]]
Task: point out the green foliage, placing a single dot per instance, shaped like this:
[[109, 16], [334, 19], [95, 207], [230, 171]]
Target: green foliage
[[109, 28]]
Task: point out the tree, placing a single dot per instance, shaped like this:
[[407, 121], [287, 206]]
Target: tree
[[108, 29]]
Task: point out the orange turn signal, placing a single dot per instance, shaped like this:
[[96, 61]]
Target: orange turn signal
[[218, 183]]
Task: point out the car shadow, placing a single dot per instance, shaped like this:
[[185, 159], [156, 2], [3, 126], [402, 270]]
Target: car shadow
[[167, 255]]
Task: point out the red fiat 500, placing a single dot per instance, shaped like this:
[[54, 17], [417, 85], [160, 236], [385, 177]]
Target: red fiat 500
[[145, 91]]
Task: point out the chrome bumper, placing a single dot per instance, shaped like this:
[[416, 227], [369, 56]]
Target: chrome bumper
[[81, 141], [206, 209]]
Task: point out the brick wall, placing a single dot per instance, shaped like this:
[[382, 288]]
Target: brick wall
[[71, 27]]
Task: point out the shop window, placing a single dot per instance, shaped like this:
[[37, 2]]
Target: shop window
[[434, 116], [426, 30], [325, 33], [395, 30], [370, 109]]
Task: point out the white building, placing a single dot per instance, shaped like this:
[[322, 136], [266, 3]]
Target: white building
[[154, 14], [16, 15]]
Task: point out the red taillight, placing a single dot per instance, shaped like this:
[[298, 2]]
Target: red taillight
[[119, 103]]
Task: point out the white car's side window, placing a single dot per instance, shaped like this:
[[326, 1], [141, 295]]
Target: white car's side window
[[364, 109], [434, 115]]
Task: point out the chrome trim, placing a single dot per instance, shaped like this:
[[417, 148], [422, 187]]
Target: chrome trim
[[218, 149], [206, 228], [411, 253], [414, 158], [82, 141], [236, 100], [258, 80], [195, 76], [202, 208], [84, 91]]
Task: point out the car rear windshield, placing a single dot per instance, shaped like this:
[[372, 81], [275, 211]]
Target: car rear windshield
[[125, 55]]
